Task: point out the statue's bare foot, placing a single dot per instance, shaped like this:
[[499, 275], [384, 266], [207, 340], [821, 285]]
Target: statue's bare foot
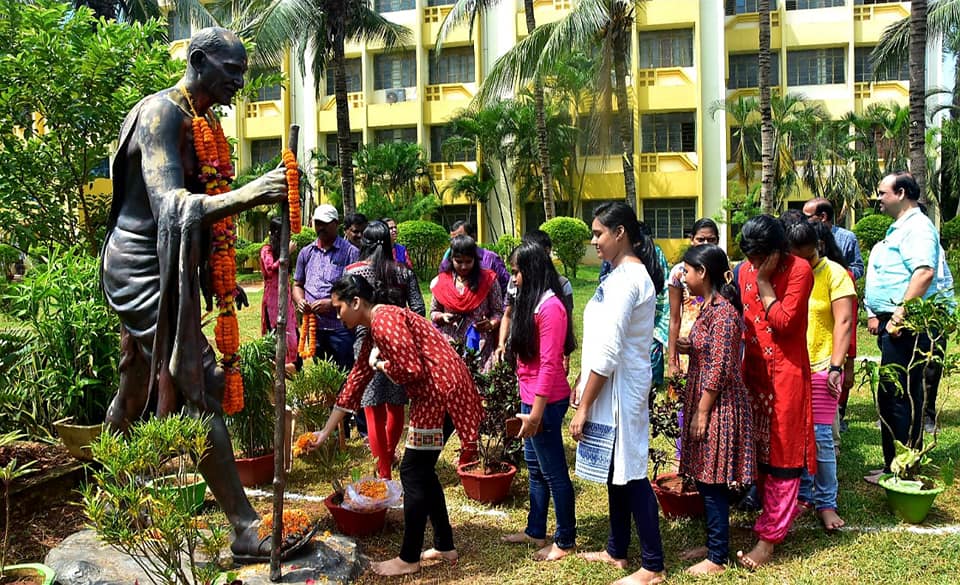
[[692, 554], [603, 557], [552, 552], [642, 577], [522, 538], [432, 554], [706, 567], [395, 567]]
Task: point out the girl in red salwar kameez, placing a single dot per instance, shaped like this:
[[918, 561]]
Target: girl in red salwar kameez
[[443, 397], [775, 288]]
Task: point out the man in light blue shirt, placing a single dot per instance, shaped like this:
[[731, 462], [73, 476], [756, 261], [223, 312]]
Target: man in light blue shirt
[[903, 266], [820, 209]]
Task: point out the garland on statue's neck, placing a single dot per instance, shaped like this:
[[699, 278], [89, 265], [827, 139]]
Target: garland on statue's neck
[[216, 173]]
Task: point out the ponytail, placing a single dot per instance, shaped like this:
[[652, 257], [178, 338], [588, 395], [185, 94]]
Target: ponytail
[[646, 250], [618, 213], [713, 260]]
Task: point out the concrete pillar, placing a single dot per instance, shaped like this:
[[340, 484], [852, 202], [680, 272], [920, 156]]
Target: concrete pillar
[[711, 65]]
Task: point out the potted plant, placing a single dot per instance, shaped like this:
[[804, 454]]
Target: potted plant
[[312, 393], [678, 496], [911, 487], [252, 428], [13, 470], [489, 478], [158, 532]]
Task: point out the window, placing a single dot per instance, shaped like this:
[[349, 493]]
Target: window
[[666, 48], [262, 151], [751, 142], [811, 4], [590, 138], [455, 65], [669, 218], [674, 132], [745, 70], [732, 7], [437, 136], [354, 76], [534, 216], [101, 170], [863, 71], [333, 155], [392, 70], [589, 207], [395, 135], [817, 67], [450, 214], [395, 5], [267, 93], [439, 2], [177, 28], [862, 2]]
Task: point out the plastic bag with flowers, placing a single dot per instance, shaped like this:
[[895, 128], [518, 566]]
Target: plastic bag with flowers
[[370, 494]]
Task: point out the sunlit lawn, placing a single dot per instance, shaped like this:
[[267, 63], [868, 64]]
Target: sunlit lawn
[[876, 549]]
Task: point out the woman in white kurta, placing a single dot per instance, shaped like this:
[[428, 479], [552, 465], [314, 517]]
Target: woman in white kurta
[[612, 422]]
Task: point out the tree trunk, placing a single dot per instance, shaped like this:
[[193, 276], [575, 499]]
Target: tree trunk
[[918, 125], [766, 117], [624, 116], [344, 148], [546, 172]]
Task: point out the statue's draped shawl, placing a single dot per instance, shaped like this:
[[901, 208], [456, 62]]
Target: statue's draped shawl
[[154, 285]]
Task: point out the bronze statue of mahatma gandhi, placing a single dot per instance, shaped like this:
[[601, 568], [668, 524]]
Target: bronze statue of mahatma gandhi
[[155, 265]]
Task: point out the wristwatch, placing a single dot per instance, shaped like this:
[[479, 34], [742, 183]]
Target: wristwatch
[[837, 369]]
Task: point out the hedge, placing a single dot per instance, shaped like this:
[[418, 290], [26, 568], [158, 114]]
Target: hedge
[[871, 229], [568, 235], [426, 243]]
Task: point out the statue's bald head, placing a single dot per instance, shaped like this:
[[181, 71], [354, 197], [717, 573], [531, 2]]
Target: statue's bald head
[[214, 40]]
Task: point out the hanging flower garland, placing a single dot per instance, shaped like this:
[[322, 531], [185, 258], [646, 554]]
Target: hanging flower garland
[[293, 190], [306, 347], [216, 173]]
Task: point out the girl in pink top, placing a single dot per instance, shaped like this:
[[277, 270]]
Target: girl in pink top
[[270, 268], [537, 334]]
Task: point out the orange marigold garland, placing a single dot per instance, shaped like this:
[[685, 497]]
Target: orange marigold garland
[[216, 173], [293, 190], [306, 347]]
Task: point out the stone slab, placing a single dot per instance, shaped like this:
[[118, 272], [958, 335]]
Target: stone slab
[[82, 559]]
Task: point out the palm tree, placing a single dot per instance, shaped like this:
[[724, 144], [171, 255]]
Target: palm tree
[[319, 29], [744, 114], [604, 24], [918, 70], [766, 117], [469, 10]]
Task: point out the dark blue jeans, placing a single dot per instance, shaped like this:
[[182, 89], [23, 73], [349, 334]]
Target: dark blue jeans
[[902, 410], [337, 345], [716, 504], [636, 499], [549, 475]]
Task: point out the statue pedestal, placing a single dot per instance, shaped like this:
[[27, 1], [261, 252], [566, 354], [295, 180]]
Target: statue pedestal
[[82, 559]]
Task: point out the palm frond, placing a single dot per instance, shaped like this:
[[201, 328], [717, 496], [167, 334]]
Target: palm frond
[[370, 26], [462, 11]]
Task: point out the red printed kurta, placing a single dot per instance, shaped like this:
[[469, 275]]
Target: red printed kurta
[[435, 378], [776, 367]]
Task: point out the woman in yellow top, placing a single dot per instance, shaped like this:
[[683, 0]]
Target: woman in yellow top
[[829, 328]]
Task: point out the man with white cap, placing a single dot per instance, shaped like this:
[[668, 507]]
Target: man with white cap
[[319, 265]]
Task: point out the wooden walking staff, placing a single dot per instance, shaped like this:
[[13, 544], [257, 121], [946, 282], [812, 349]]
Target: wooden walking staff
[[280, 381]]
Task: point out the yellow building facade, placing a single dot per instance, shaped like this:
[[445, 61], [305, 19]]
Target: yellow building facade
[[686, 55]]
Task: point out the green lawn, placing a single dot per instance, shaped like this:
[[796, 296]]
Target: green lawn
[[876, 547]]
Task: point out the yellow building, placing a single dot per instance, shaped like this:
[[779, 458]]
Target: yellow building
[[685, 56]]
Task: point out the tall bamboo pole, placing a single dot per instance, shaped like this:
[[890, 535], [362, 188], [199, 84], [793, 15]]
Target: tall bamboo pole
[[280, 380]]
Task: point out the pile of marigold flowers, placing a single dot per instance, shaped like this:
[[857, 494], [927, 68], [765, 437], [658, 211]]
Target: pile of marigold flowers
[[295, 522], [372, 488], [304, 444]]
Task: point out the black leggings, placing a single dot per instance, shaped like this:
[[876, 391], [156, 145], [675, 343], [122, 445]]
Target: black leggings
[[423, 498]]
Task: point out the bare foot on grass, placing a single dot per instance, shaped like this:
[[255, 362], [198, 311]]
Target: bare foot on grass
[[831, 520], [395, 567], [641, 577], [706, 567], [552, 552], [693, 554], [522, 538], [432, 554], [756, 558], [603, 557]]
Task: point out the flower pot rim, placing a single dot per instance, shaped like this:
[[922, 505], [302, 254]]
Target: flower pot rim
[[328, 501], [270, 455], [886, 481], [68, 422], [48, 574], [461, 470], [197, 479]]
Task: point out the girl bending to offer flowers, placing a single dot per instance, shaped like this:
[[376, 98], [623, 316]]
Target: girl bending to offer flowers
[[443, 398]]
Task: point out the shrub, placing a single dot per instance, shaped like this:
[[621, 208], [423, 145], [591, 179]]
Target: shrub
[[425, 242], [871, 229], [306, 237], [568, 235], [950, 233], [504, 246], [248, 251], [252, 428]]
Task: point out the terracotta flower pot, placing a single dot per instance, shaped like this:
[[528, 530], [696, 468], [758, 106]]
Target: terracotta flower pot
[[77, 438], [909, 501], [489, 489], [352, 523], [674, 501], [41, 574], [254, 471]]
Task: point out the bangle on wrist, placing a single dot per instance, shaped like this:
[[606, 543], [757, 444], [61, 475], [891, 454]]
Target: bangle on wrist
[[837, 369]]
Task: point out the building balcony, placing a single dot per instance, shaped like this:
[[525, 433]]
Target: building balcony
[[666, 14], [544, 11], [871, 20], [836, 99], [667, 174], [816, 28], [671, 88], [178, 49], [393, 107], [433, 17], [443, 173], [327, 112], [263, 119], [741, 32], [443, 101], [879, 92]]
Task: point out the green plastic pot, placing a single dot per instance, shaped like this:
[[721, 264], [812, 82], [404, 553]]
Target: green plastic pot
[[189, 495], [909, 501], [46, 574]]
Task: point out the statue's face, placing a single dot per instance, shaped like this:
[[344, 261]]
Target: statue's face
[[222, 72]]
